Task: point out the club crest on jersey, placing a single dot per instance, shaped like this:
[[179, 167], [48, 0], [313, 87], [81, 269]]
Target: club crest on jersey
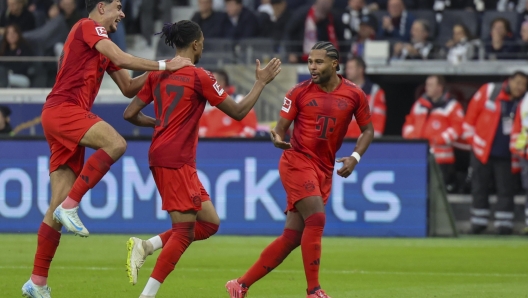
[[342, 104], [286, 106], [218, 89], [101, 31]]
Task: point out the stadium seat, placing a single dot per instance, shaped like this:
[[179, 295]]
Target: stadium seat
[[247, 50], [453, 17], [489, 16], [427, 15]]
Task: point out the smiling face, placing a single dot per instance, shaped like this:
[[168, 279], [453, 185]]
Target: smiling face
[[112, 14], [321, 66]]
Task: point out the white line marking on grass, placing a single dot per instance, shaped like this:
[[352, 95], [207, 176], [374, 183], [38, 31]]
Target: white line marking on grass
[[345, 272]]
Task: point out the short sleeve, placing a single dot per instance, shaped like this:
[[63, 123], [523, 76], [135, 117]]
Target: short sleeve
[[362, 113], [145, 94], [112, 67], [93, 33], [211, 90], [289, 106]]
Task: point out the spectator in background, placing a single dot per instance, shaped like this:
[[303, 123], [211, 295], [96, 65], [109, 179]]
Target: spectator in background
[[273, 25], [240, 22], [367, 31], [397, 24], [420, 46], [355, 72], [149, 12], [311, 24], [523, 51], [383, 4], [487, 128], [5, 125], [351, 18], [14, 45], [17, 13], [460, 48], [216, 124], [210, 21], [501, 44], [437, 117], [68, 9]]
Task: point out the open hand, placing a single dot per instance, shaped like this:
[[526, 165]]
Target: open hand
[[178, 63], [278, 142], [269, 72], [349, 163]]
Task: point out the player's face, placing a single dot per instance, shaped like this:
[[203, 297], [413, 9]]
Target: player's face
[[198, 48], [321, 67], [517, 86], [113, 14]]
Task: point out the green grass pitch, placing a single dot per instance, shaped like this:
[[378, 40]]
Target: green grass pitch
[[350, 267]]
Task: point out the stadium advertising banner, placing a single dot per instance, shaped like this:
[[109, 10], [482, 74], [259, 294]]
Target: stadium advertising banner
[[385, 196]]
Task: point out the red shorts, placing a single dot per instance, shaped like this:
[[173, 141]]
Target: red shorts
[[302, 178], [64, 127], [180, 189]]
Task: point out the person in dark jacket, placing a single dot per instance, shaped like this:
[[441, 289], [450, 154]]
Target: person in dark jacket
[[241, 22], [210, 21]]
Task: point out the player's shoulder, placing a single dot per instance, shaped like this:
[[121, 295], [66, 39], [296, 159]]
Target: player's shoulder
[[300, 87], [202, 72]]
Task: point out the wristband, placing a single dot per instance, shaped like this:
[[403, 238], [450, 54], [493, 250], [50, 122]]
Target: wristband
[[162, 65], [356, 156]]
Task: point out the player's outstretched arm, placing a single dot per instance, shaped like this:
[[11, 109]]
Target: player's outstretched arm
[[129, 86], [264, 76], [134, 115], [127, 61], [363, 142], [278, 133]]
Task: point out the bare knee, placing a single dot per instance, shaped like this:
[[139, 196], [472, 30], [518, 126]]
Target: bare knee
[[117, 148]]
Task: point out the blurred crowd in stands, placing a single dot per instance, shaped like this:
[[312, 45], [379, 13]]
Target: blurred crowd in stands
[[416, 29]]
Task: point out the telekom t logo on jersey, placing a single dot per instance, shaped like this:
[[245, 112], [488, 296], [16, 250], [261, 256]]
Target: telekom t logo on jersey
[[325, 124]]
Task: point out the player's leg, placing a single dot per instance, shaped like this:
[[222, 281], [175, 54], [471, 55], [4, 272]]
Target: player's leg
[[61, 181], [109, 146], [313, 213], [182, 236], [271, 257], [207, 224]]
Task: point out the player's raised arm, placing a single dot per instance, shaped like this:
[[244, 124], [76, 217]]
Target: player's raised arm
[[127, 61], [239, 110]]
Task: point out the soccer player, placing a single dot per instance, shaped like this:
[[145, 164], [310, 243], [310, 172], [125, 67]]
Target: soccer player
[[322, 109], [179, 101], [69, 126]]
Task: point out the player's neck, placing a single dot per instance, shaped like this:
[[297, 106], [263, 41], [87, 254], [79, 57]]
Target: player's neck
[[187, 53], [332, 84], [97, 18]]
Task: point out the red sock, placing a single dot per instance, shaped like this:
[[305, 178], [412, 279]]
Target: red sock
[[272, 256], [93, 171], [311, 249], [181, 238], [165, 236], [48, 241], [204, 230]]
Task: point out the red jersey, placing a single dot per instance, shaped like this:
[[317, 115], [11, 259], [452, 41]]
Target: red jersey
[[81, 67], [179, 101], [322, 119]]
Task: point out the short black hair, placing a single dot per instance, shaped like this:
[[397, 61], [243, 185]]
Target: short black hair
[[519, 73], [330, 49], [91, 4], [181, 34]]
